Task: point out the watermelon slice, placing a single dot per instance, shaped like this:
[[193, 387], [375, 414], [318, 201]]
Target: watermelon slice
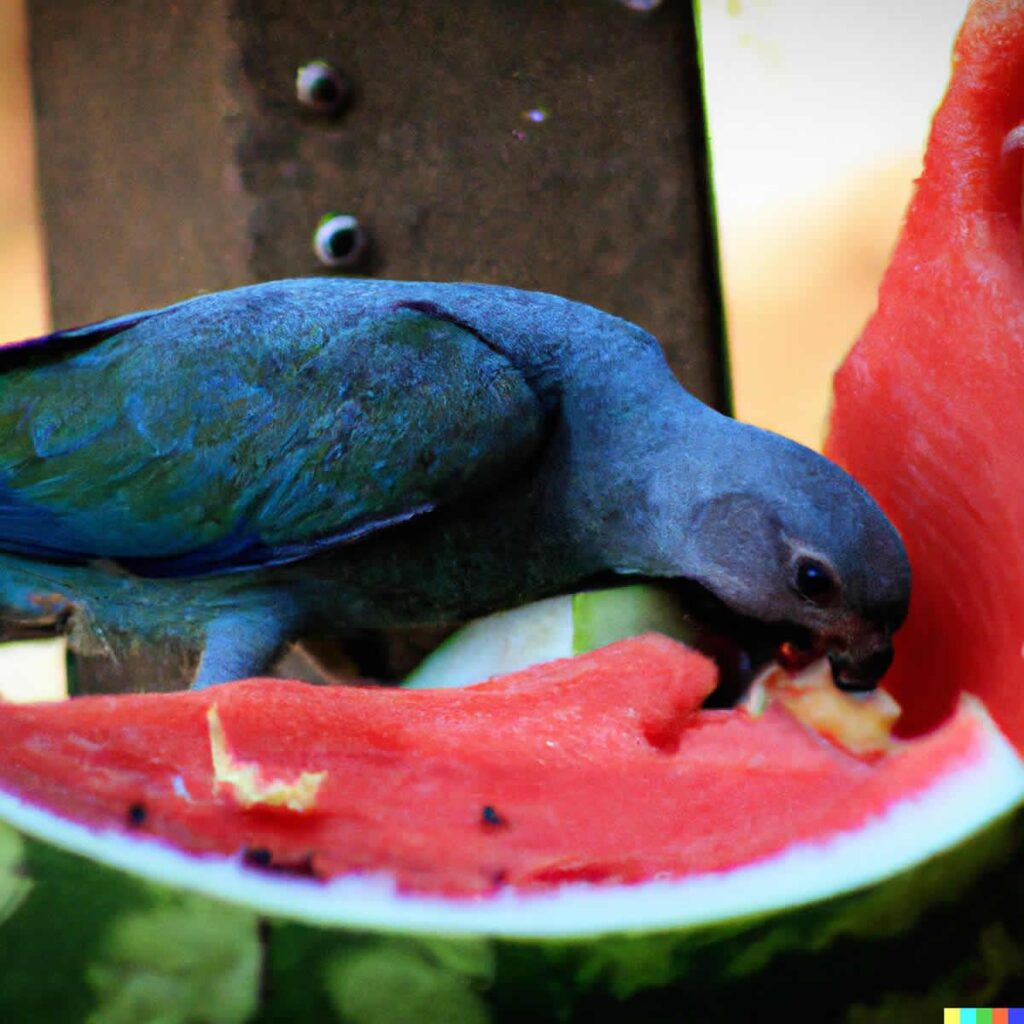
[[929, 406], [584, 820], [552, 844], [528, 781]]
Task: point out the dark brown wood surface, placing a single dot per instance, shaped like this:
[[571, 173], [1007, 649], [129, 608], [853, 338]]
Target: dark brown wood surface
[[174, 157]]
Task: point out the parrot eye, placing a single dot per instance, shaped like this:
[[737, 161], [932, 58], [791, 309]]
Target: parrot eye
[[319, 87], [815, 581], [339, 240]]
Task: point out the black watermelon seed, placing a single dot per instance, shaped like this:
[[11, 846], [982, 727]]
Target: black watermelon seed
[[258, 856], [489, 816]]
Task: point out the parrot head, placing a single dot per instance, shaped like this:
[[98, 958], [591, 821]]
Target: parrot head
[[775, 551], [806, 553]]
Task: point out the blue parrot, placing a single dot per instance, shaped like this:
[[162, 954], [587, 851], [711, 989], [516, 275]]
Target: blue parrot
[[328, 456]]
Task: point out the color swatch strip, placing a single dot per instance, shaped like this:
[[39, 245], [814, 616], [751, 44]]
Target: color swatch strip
[[975, 1015]]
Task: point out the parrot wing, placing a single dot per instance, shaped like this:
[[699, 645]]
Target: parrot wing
[[203, 438]]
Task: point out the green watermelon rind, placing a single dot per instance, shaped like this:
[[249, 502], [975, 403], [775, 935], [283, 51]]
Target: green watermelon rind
[[120, 928], [555, 627]]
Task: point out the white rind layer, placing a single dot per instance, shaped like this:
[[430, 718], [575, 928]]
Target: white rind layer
[[557, 627], [983, 785], [498, 644]]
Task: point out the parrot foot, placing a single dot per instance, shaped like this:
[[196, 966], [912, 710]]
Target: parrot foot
[[240, 645]]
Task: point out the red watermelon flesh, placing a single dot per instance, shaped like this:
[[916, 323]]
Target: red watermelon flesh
[[929, 406], [599, 768]]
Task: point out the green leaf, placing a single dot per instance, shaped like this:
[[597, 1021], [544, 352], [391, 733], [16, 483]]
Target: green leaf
[[14, 884], [397, 983], [191, 961]]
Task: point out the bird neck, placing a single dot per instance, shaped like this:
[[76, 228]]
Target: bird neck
[[634, 452]]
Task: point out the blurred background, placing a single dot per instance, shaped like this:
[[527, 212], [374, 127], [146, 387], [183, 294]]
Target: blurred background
[[22, 284], [818, 114]]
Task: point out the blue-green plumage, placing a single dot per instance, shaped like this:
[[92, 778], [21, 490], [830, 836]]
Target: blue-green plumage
[[320, 455]]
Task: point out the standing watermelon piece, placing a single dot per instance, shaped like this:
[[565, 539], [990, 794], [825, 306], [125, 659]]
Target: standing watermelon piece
[[929, 406]]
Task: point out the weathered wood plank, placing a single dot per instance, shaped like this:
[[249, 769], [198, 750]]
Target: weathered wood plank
[[174, 157]]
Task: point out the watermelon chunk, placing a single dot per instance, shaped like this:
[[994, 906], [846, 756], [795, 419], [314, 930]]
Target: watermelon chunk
[[579, 831], [600, 768], [929, 406]]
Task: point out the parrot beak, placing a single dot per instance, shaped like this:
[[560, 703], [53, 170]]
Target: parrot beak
[[859, 669]]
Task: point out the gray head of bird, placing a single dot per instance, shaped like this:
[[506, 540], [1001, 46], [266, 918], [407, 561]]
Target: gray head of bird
[[783, 542]]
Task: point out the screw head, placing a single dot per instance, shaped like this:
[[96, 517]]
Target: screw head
[[339, 241], [321, 88]]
